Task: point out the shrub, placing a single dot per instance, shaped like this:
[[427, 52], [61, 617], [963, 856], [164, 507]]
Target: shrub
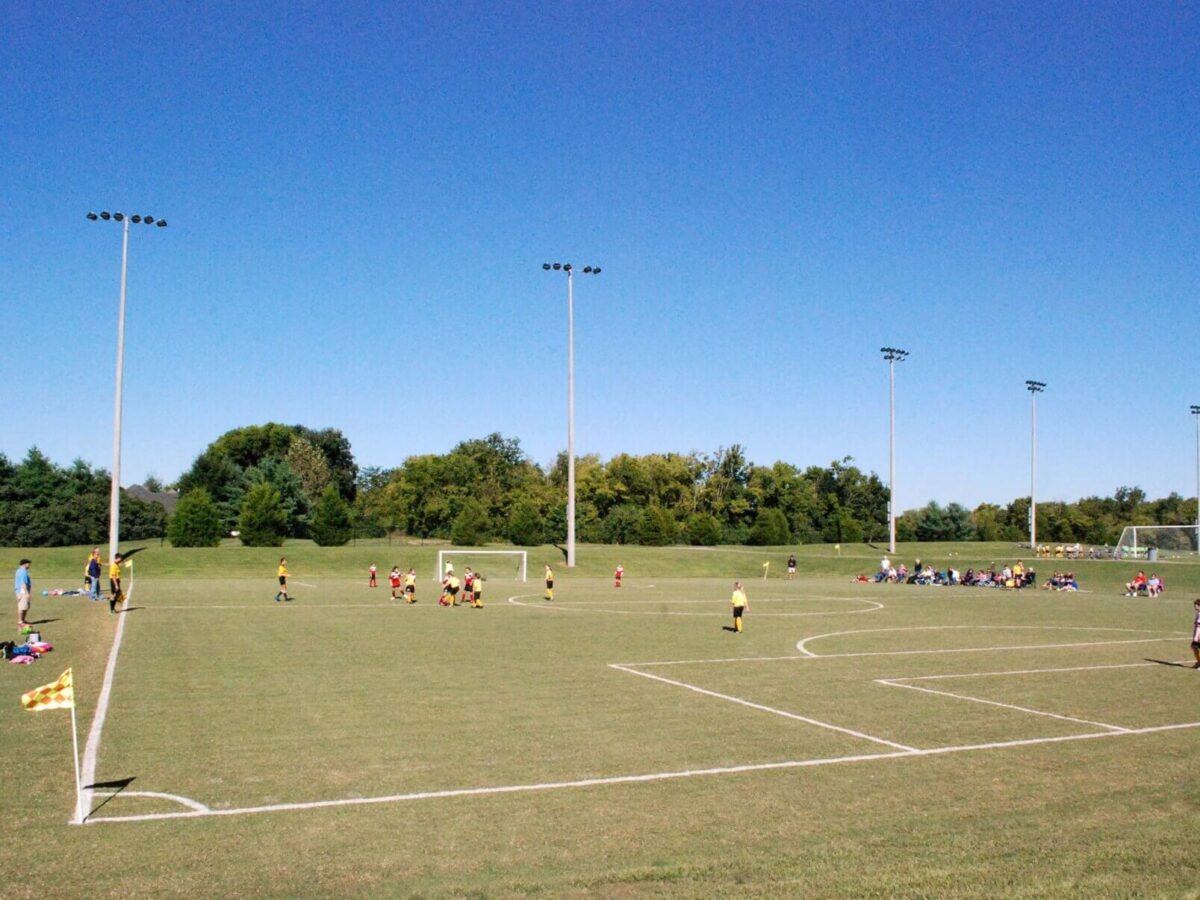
[[263, 522], [331, 525], [196, 522]]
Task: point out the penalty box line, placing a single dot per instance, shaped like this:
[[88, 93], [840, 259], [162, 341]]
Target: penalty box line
[[632, 779], [767, 709]]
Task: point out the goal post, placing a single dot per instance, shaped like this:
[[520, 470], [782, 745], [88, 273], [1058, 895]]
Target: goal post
[[1156, 541], [519, 560]]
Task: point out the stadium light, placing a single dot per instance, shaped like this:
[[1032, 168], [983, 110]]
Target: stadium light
[[893, 355], [588, 270], [1196, 413], [1034, 388], [114, 512]]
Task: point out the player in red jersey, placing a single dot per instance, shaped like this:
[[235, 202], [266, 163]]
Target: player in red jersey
[[617, 575]]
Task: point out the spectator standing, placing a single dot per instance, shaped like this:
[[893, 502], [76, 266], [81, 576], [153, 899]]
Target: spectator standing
[[23, 588]]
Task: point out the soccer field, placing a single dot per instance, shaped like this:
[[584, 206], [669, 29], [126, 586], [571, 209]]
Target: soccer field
[[855, 739]]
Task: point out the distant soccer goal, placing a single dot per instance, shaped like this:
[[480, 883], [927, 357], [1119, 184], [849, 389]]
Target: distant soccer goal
[[517, 563], [1156, 541]]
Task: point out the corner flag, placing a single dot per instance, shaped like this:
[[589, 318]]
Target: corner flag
[[58, 695]]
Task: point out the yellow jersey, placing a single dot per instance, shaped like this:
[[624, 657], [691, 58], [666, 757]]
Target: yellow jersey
[[738, 599], [283, 571], [114, 571]]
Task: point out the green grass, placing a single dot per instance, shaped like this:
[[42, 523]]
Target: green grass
[[236, 702]]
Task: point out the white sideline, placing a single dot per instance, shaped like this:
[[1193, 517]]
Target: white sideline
[[634, 779], [801, 646], [759, 706]]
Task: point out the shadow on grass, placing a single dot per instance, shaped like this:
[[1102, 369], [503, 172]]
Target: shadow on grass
[[120, 784], [729, 628], [1164, 662], [40, 621]]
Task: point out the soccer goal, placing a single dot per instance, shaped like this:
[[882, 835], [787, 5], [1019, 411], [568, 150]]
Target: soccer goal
[[517, 562], [1156, 541]]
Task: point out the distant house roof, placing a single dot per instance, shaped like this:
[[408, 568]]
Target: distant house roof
[[165, 499]]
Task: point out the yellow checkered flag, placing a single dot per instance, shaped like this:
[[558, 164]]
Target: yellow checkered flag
[[59, 695]]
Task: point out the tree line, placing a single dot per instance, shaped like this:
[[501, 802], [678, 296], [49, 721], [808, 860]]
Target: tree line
[[270, 482]]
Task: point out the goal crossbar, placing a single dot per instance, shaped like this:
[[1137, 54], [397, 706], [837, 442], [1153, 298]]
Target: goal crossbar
[[449, 556]]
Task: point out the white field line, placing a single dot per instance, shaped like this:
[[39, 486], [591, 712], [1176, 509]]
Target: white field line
[[1135, 665], [768, 709], [634, 779], [182, 801], [92, 747], [1024, 709], [801, 646], [301, 583]]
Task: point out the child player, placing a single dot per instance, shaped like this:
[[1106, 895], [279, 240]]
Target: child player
[[394, 580], [549, 582], [410, 585], [739, 603], [114, 584], [476, 594], [468, 584], [371, 582], [1196, 634], [618, 575], [282, 574]]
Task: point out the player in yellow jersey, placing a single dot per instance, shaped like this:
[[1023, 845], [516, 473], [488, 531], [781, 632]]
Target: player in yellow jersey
[[282, 581], [410, 585], [549, 582], [450, 586], [740, 604], [477, 592], [114, 584]]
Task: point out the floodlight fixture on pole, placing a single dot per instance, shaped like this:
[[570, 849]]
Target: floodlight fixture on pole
[[569, 269], [1196, 413], [1034, 388], [114, 510], [893, 355]]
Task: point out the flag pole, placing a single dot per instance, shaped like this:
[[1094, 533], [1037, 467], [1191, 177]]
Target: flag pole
[[79, 815]]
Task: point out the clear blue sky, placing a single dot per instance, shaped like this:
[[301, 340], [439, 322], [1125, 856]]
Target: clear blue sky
[[361, 197]]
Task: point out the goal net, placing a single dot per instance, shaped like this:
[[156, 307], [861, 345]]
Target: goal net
[[1156, 541], [493, 563]]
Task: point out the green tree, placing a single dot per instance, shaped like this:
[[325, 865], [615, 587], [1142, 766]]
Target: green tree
[[196, 521], [310, 466], [471, 526], [263, 522], [331, 525], [525, 528], [770, 529], [623, 524], [657, 527], [703, 530]]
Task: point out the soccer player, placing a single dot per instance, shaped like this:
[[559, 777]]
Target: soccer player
[[450, 591], [549, 582], [371, 582], [282, 581], [410, 585], [114, 584], [468, 584], [618, 575], [740, 604], [1196, 633], [394, 580], [791, 567], [477, 592]]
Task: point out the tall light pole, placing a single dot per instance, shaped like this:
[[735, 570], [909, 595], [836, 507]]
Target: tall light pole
[[114, 511], [893, 355], [587, 270], [1196, 413], [1034, 388]]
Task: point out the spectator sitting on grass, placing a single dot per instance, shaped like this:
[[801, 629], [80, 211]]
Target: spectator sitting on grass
[[1154, 586]]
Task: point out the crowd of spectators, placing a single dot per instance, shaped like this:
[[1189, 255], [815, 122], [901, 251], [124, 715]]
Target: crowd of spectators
[[1016, 576]]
